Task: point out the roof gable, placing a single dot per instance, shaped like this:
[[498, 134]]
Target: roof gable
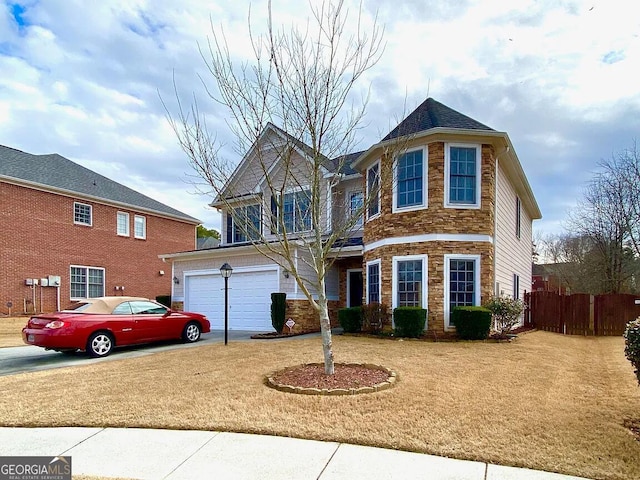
[[55, 172], [433, 114]]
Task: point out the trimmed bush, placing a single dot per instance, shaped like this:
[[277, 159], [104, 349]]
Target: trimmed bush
[[278, 310], [164, 300], [409, 321], [350, 319], [472, 323], [632, 345], [375, 317]]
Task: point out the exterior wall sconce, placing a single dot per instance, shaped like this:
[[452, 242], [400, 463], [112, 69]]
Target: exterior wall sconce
[[176, 281], [285, 272]]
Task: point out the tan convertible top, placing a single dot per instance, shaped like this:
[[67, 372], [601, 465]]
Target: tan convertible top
[[101, 304]]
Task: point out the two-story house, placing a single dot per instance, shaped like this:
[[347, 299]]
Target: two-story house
[[453, 227], [68, 233]]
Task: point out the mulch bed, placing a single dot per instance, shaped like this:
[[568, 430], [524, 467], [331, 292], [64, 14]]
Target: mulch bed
[[346, 376], [266, 336]]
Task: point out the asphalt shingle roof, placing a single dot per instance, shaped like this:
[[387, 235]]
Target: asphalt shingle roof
[[56, 171], [433, 114]]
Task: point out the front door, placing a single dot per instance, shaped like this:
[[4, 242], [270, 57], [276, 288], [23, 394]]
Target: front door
[[354, 288]]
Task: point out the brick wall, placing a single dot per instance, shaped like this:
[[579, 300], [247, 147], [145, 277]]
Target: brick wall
[[307, 318], [435, 273], [38, 239]]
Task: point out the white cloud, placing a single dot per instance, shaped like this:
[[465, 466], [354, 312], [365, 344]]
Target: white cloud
[[84, 80]]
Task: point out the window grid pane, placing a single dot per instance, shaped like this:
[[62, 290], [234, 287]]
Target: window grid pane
[[373, 280], [297, 211], [87, 282], [462, 178], [246, 223], [461, 284], [409, 179], [123, 223], [82, 213], [139, 226], [410, 283], [78, 282], [356, 201]]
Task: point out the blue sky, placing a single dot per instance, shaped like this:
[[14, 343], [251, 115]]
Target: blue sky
[[84, 79]]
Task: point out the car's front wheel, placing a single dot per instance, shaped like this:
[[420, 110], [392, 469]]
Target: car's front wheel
[[100, 344], [191, 332]]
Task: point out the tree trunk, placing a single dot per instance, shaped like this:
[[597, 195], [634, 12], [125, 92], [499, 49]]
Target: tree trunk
[[325, 329]]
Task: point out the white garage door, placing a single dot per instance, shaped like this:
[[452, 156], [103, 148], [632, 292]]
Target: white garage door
[[249, 299]]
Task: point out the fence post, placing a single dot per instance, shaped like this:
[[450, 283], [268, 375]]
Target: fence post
[[592, 315]]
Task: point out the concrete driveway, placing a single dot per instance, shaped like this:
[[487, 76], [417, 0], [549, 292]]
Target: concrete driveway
[[30, 359]]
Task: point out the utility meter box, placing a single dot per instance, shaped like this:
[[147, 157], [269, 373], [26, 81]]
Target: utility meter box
[[54, 280], [28, 281], [44, 282]]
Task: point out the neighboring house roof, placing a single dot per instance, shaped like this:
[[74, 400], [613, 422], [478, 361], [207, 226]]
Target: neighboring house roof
[[53, 172], [433, 114], [342, 163]]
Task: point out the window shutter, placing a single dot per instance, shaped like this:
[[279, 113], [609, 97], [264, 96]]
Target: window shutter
[[274, 215], [229, 228]]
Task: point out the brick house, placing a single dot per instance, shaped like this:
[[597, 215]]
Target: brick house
[[68, 233], [453, 228]]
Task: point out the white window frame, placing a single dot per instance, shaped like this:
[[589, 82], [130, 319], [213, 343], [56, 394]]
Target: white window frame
[[76, 222], [360, 222], [425, 182], [87, 268], [379, 263], [447, 177], [126, 233], [425, 280], [144, 226], [368, 195], [447, 286]]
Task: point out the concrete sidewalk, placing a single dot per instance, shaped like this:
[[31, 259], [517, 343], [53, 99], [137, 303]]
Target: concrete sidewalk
[[192, 455]]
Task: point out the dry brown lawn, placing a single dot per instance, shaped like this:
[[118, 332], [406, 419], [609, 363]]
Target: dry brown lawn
[[545, 401], [11, 331]]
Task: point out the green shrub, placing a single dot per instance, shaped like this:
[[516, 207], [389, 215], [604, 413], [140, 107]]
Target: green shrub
[[278, 310], [350, 319], [632, 345], [164, 300], [375, 317], [472, 323], [409, 321], [506, 312]]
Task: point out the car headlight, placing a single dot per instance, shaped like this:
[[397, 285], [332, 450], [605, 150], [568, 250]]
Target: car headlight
[[55, 324]]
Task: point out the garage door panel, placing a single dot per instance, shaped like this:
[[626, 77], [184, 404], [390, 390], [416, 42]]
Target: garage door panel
[[249, 299]]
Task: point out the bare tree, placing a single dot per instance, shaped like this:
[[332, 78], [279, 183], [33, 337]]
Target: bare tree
[[607, 225], [301, 88]]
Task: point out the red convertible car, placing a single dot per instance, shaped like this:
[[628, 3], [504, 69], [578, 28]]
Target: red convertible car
[[97, 325]]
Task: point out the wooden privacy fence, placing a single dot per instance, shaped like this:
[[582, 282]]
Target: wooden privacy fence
[[581, 313]]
